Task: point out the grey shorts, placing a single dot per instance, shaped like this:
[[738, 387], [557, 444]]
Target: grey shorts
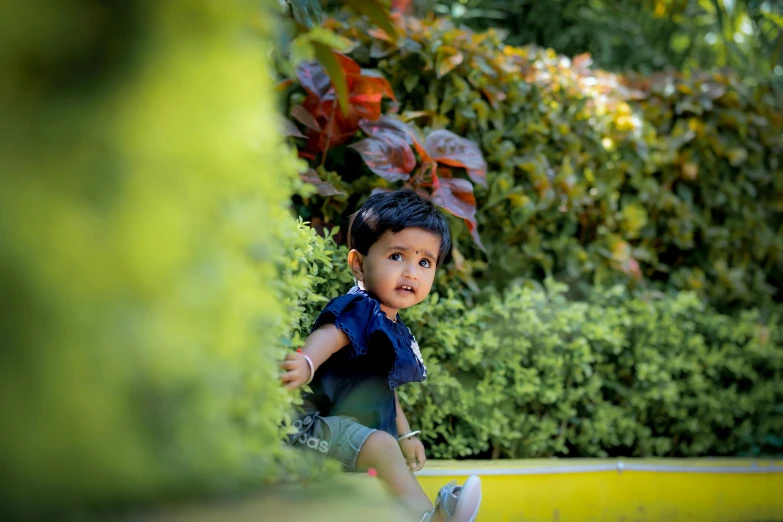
[[337, 437]]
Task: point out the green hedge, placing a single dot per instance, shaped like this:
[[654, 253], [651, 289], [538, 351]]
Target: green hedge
[[533, 374], [314, 271], [670, 182], [140, 239]]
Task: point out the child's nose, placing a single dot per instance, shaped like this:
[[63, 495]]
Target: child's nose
[[410, 271]]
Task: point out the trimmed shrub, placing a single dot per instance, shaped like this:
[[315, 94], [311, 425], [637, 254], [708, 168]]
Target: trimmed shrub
[[671, 181], [314, 271], [533, 374]]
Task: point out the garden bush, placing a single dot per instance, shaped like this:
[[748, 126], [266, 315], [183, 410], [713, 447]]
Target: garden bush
[[643, 36], [671, 181], [531, 373], [314, 270]]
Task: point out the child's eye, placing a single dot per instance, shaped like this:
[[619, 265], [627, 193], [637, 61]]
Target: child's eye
[[395, 257], [425, 263]]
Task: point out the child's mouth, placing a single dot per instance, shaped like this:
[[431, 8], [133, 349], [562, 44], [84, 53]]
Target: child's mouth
[[405, 289]]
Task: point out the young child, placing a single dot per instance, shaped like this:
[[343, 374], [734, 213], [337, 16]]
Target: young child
[[359, 352]]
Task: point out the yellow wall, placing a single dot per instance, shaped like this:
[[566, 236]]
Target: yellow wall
[[670, 490]]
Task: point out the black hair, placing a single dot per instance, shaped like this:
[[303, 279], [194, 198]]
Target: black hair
[[394, 211]]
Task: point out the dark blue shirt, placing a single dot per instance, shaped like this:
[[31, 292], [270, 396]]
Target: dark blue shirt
[[359, 380]]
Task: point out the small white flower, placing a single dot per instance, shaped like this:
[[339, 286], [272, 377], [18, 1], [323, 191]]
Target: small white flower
[[417, 352]]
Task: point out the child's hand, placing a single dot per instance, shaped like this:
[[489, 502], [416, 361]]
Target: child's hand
[[298, 371], [413, 450]]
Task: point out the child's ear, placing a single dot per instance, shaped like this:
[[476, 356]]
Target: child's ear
[[356, 262]]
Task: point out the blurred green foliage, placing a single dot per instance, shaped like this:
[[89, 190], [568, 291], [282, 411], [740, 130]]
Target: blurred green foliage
[[150, 268], [639, 35], [668, 181], [350, 497], [143, 226]]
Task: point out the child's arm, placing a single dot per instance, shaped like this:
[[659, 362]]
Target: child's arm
[[319, 346], [402, 423], [412, 448]]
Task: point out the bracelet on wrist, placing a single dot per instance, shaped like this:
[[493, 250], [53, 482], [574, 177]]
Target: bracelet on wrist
[[310, 365], [408, 435]]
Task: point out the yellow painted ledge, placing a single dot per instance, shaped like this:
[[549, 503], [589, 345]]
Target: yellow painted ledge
[[626, 490]]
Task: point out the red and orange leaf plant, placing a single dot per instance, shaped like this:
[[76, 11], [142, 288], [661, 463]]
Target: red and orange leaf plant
[[326, 124], [388, 151], [392, 149]]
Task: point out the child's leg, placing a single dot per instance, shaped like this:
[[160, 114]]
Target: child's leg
[[382, 452], [359, 448]]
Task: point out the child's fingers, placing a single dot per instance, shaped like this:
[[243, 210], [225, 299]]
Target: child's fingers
[[291, 385], [420, 458], [410, 461], [288, 365], [290, 381], [289, 377]]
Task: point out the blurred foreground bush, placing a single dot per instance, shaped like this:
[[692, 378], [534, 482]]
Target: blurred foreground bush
[[144, 197], [669, 181]]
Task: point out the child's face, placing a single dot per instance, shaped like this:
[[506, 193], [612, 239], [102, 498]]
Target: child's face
[[399, 268]]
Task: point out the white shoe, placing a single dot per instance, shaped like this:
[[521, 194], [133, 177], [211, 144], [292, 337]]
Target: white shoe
[[458, 504]]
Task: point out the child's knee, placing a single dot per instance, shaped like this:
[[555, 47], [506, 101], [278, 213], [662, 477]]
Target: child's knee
[[379, 447]]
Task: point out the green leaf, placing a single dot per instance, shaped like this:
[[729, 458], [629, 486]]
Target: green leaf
[[329, 61], [328, 38], [302, 50], [303, 47], [774, 18], [306, 12], [447, 59], [634, 219], [410, 82], [376, 12]]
